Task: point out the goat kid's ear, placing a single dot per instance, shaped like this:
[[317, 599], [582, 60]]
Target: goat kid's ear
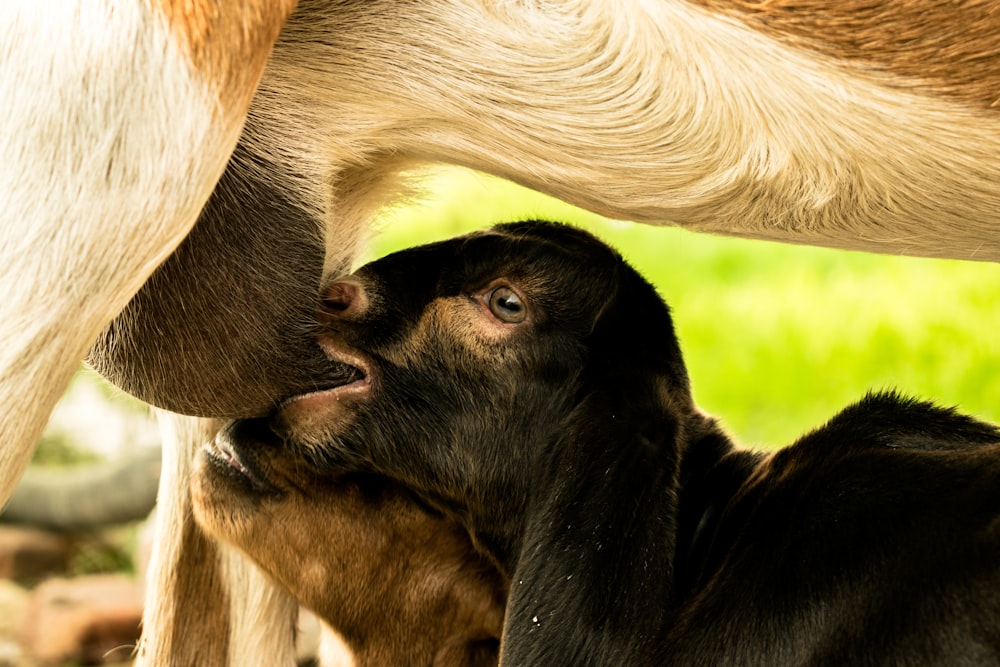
[[601, 529], [599, 543], [634, 352]]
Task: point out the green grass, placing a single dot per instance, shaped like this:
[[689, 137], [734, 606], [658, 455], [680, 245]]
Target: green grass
[[777, 337]]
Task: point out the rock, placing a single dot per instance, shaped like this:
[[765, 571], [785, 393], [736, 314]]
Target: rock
[[87, 497], [28, 555], [91, 620], [10, 654], [13, 603]]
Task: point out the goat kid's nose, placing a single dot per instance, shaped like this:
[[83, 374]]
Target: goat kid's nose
[[344, 299]]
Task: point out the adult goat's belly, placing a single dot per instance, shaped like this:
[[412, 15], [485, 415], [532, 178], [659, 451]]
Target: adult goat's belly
[[225, 327]]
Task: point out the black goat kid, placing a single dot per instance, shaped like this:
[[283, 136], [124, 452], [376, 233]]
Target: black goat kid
[[528, 384]]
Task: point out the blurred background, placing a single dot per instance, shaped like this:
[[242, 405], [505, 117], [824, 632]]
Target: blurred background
[[777, 339]]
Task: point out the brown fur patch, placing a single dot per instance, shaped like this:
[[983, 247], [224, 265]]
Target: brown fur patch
[[381, 564], [400, 583], [227, 43], [942, 47]]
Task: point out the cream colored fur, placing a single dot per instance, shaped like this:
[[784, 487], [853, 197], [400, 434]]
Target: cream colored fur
[[262, 616], [333, 652], [109, 147], [649, 110], [259, 616], [98, 182], [642, 110], [181, 436]]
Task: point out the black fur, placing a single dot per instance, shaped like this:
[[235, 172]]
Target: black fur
[[632, 529]]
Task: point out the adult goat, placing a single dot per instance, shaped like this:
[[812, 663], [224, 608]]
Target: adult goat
[[838, 123]]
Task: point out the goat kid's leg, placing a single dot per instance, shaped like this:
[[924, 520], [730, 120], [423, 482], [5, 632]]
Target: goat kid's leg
[[118, 120], [205, 603]]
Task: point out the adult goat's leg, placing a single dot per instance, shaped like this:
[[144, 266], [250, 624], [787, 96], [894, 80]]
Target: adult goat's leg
[[184, 565], [206, 604], [119, 118]]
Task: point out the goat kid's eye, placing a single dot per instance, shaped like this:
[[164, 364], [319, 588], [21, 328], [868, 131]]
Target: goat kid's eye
[[506, 305]]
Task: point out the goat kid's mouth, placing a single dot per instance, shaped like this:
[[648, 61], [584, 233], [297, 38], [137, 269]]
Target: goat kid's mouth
[[332, 401], [230, 455]]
